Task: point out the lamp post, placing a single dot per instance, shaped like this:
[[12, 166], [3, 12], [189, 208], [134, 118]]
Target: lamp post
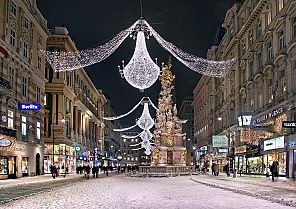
[[56, 123]]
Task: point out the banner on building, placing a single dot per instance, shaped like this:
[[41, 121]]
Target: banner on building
[[220, 141]]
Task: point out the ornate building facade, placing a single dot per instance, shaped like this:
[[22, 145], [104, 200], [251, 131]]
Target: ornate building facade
[[186, 113], [74, 111], [23, 34], [260, 35]]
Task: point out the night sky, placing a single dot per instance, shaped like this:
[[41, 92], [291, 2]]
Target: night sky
[[191, 25]]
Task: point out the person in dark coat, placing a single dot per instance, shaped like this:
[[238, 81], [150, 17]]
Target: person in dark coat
[[87, 171], [52, 171], [274, 170]]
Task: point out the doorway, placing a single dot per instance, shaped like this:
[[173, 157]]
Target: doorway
[[37, 164], [12, 167]]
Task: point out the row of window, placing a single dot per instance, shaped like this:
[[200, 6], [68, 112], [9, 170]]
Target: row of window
[[10, 124], [11, 76], [131, 159], [131, 140]]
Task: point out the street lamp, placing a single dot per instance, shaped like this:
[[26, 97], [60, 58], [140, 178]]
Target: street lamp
[[56, 123]]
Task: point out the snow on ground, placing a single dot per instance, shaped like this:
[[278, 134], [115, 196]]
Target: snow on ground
[[131, 193]]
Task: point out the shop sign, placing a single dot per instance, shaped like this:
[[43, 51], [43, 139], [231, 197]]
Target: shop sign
[[5, 142], [77, 149], [223, 150], [269, 115], [220, 141], [275, 143], [289, 124], [262, 127], [29, 106], [244, 119], [240, 150]]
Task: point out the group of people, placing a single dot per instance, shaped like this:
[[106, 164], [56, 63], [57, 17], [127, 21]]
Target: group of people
[[56, 171]]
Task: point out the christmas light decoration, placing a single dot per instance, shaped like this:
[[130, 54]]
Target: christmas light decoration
[[62, 61], [125, 129], [200, 65], [141, 72], [145, 122], [123, 115]]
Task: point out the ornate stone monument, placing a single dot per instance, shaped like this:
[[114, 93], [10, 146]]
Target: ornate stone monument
[[169, 149]]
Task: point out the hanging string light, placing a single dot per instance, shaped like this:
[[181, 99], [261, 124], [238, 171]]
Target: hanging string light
[[62, 61], [141, 72]]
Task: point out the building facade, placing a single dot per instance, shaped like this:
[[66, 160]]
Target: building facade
[[186, 113], [74, 111], [260, 35], [129, 156], [112, 139], [23, 32]]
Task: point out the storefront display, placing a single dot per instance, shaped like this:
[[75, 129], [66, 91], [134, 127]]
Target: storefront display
[[256, 165], [3, 165], [25, 167], [279, 157], [12, 167]]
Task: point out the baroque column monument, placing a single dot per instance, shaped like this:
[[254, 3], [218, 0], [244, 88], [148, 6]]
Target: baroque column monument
[[169, 149]]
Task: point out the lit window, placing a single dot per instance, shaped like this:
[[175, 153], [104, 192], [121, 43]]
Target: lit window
[[24, 125], [269, 17], [24, 87], [10, 119], [124, 140], [26, 23], [13, 8], [12, 37], [281, 40], [44, 100], [250, 37], [282, 82], [281, 4], [38, 130]]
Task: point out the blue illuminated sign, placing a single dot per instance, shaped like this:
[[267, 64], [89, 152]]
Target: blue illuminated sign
[[29, 106]]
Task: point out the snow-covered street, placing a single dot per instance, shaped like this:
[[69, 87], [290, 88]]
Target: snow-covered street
[[128, 192]]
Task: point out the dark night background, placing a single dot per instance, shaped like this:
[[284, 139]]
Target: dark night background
[[189, 24]]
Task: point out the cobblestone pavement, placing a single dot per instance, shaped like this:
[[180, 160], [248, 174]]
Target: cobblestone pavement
[[129, 193], [282, 191]]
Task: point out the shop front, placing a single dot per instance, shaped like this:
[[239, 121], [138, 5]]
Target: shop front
[[274, 151], [64, 155], [240, 159]]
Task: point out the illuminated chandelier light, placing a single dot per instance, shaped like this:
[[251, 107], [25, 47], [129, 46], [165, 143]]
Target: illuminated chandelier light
[[197, 64], [62, 61], [145, 122], [141, 72]]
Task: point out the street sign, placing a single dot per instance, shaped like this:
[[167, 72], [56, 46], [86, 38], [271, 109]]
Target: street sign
[[29, 106]]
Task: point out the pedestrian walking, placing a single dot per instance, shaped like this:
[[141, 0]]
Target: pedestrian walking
[[63, 171], [213, 169], [216, 169], [87, 171], [52, 171], [274, 170]]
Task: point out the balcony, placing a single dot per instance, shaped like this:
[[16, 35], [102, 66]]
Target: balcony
[[5, 87]]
